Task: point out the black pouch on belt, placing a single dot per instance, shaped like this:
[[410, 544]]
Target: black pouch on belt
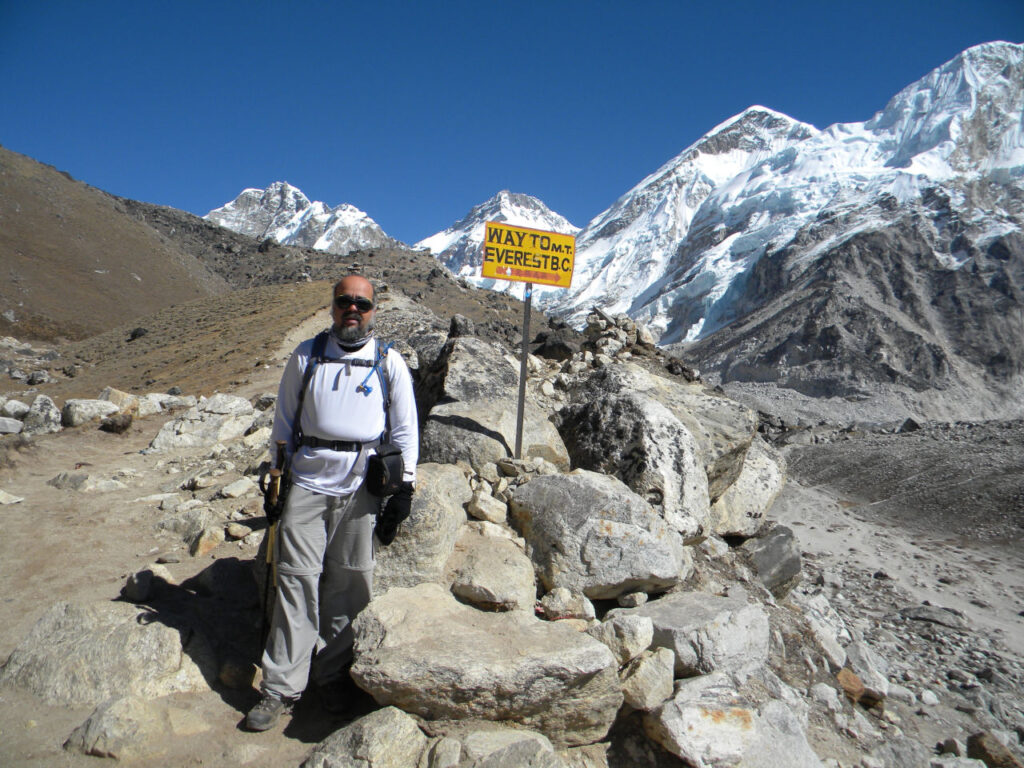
[[384, 470]]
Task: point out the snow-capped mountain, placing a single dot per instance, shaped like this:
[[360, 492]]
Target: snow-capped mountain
[[282, 213], [459, 246], [685, 240]]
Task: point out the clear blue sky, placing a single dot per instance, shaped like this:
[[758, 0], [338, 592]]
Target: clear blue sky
[[414, 112]]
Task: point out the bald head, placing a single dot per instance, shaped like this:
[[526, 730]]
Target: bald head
[[353, 308]]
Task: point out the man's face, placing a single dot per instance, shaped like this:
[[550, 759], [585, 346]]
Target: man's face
[[350, 323]]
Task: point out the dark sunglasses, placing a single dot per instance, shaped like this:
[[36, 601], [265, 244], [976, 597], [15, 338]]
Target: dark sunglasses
[[344, 301]]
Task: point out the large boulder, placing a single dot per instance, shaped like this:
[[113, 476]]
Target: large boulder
[[708, 632], [86, 654], [722, 428], [77, 411], [43, 417], [426, 540], [709, 723], [590, 533], [740, 510], [468, 403], [491, 572], [775, 556], [213, 420], [422, 651]]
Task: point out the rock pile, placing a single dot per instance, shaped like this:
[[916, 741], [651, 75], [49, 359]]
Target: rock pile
[[614, 597]]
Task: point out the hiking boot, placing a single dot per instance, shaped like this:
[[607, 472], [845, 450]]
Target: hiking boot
[[265, 714]]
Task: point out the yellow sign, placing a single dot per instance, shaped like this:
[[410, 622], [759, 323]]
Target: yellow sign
[[528, 255]]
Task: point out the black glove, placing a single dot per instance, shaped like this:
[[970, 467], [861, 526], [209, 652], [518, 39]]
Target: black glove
[[395, 511]]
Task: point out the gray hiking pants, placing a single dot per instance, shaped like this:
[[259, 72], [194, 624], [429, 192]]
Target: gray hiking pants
[[324, 556]]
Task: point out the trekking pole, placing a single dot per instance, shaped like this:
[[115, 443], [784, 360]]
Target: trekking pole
[[272, 503]]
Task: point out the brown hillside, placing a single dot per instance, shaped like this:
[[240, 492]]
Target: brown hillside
[[73, 264]]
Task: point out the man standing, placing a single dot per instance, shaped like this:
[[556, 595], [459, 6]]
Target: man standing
[[324, 543]]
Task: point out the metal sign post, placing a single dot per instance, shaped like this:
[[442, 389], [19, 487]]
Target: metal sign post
[[527, 256], [527, 297]]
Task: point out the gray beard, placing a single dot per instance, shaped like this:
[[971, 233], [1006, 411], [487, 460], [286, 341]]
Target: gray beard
[[353, 334]]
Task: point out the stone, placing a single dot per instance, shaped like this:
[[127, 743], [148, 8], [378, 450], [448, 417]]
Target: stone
[[207, 541], [492, 574], [426, 540], [722, 427], [217, 419], [10, 426], [14, 409], [871, 669], [235, 531], [707, 632], [140, 585], [929, 699], [986, 747], [632, 599], [133, 727], [561, 603], [125, 401], [387, 738], [420, 650], [483, 506], [84, 482], [708, 723], [498, 747], [827, 626], [9, 498], [776, 559], [955, 762], [77, 412], [188, 520], [647, 680], [459, 392], [240, 487], [851, 684], [625, 635], [642, 443], [42, 417], [827, 695], [86, 654], [589, 533], [935, 615], [117, 424], [740, 510]]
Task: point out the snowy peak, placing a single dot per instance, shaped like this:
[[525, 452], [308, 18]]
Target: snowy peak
[[459, 246], [968, 111], [676, 250], [283, 213]]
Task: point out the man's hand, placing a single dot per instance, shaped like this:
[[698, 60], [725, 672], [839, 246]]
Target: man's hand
[[395, 511]]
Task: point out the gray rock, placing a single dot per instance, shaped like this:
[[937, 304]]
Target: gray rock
[[214, 420], [77, 412], [10, 426], [42, 417], [88, 654], [459, 393], [708, 723], [625, 635], [484, 506], [491, 573], [934, 615], [420, 650], [426, 540], [507, 748], [589, 533], [387, 738], [9, 498], [647, 680], [776, 559], [722, 427], [870, 668], [135, 727], [641, 441], [707, 632], [740, 510], [561, 603], [14, 409]]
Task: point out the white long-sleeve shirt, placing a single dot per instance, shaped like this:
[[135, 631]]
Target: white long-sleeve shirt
[[335, 408]]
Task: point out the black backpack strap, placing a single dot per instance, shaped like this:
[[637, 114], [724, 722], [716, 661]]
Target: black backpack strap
[[316, 356]]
